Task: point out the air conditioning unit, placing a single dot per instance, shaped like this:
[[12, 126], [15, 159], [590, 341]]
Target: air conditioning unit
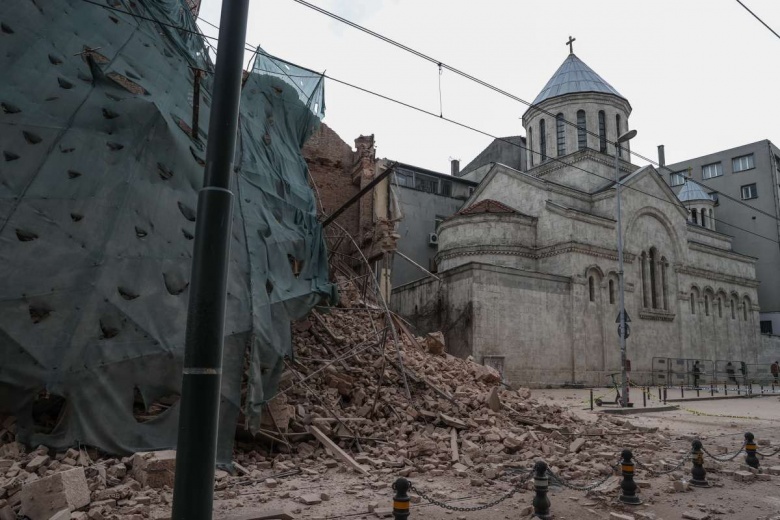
[[433, 239]]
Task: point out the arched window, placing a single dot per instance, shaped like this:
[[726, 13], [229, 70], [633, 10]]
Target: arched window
[[592, 289], [645, 288], [712, 220], [703, 218], [617, 134], [733, 309], [560, 132], [542, 141], [582, 132], [531, 146], [693, 303], [653, 278], [720, 307], [612, 291], [664, 288], [694, 218], [602, 132], [745, 305], [706, 305]]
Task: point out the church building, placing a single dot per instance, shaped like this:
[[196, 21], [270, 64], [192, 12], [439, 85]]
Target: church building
[[528, 268]]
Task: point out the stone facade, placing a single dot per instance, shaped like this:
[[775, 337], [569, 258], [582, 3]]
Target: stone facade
[[529, 269]]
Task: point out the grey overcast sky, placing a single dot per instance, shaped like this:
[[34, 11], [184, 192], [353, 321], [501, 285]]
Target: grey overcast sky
[[701, 75]]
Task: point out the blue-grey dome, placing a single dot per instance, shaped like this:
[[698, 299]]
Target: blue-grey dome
[[693, 191], [574, 76]]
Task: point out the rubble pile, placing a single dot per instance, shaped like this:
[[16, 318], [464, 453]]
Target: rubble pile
[[342, 406]]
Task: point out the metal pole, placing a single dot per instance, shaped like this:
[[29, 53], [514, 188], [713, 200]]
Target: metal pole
[[621, 287], [202, 374]]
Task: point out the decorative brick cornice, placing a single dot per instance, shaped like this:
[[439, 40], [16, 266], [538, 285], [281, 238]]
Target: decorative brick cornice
[[581, 216], [656, 315], [714, 275], [536, 253]]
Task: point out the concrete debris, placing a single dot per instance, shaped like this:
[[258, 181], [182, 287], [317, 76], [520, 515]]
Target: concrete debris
[[43, 498]]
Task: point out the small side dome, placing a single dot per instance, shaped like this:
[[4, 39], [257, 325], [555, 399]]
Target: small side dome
[[692, 191]]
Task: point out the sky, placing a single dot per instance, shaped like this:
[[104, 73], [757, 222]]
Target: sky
[[701, 75]]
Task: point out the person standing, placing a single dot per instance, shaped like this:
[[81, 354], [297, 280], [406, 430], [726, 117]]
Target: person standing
[[730, 372], [775, 369], [696, 374]]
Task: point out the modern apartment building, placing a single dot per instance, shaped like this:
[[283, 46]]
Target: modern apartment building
[[746, 183]]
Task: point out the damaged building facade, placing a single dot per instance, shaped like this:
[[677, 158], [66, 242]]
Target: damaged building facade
[[528, 267]]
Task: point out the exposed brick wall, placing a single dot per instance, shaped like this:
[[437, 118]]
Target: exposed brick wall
[[330, 162]]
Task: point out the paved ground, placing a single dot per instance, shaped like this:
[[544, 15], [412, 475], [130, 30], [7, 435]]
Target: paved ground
[[719, 423]]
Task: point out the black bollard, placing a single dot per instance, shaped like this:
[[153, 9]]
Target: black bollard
[[541, 501], [725, 390], [628, 486], [664, 395], [750, 450], [698, 473], [591, 399], [401, 498], [682, 392], [644, 397], [659, 393], [712, 390]]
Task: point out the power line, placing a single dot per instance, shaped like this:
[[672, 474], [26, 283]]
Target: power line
[[758, 18], [530, 105], [257, 50]]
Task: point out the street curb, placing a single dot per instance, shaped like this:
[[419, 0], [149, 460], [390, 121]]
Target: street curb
[[631, 411]]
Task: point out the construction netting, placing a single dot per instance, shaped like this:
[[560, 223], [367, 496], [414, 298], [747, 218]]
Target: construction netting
[[99, 177]]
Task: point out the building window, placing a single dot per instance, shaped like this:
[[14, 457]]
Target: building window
[[742, 163], [653, 278], [708, 171], [706, 305], [560, 132], [733, 309], [749, 192], [612, 291], [542, 140], [677, 178], [471, 190], [745, 309], [694, 218], [693, 304], [720, 307], [591, 289], [426, 184], [404, 179], [531, 145], [645, 288], [446, 188], [703, 218], [602, 132], [766, 327], [617, 134], [582, 132]]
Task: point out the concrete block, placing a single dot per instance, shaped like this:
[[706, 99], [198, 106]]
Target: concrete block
[[43, 498], [155, 469], [696, 515], [744, 476]]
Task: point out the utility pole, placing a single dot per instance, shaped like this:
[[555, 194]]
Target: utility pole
[[622, 330], [196, 449]]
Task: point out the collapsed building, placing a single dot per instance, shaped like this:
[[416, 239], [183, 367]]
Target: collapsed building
[[103, 136]]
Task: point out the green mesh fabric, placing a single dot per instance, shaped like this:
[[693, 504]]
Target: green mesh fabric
[[99, 176]]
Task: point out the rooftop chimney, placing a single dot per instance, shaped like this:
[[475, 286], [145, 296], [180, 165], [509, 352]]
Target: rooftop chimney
[[661, 156], [455, 167]]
